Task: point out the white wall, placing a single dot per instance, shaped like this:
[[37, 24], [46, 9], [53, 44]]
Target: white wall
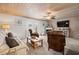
[[71, 14], [22, 28]]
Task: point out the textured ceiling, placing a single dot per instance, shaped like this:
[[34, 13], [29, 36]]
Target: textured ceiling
[[36, 11]]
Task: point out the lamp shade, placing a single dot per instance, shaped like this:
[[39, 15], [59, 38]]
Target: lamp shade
[[5, 26]]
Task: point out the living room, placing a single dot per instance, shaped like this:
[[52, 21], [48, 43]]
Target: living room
[[40, 17]]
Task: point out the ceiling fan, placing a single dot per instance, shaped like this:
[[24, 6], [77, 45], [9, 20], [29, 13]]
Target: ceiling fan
[[49, 16]]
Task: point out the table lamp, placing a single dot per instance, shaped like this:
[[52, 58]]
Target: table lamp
[[5, 27]]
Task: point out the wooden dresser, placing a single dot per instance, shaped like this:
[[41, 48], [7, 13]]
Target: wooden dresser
[[56, 41]]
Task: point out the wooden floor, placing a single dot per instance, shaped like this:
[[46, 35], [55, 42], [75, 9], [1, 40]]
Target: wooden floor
[[71, 48]]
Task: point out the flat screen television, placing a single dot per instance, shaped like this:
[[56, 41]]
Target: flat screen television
[[63, 23]]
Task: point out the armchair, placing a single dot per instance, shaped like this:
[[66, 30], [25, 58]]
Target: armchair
[[22, 49]]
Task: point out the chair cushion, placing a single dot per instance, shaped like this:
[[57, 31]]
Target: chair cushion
[[11, 42]]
